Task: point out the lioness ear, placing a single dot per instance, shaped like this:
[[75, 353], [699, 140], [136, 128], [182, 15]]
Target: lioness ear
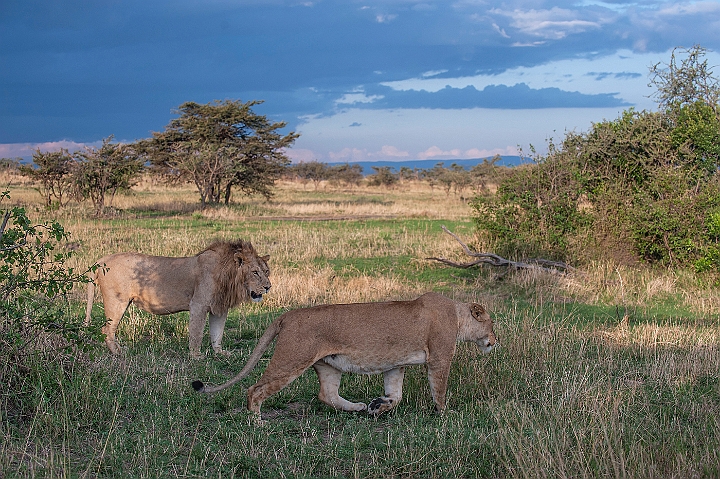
[[477, 310]]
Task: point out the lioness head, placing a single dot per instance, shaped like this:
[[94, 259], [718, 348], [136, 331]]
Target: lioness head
[[480, 330]]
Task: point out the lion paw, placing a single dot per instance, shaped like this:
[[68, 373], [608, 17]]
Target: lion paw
[[380, 405]]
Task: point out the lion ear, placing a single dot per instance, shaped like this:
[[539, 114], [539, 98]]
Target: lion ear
[[239, 259], [265, 258]]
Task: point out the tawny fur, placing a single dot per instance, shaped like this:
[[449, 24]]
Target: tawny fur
[[365, 338], [208, 284]]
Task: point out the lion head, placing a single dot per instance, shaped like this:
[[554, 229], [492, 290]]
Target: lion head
[[240, 275]]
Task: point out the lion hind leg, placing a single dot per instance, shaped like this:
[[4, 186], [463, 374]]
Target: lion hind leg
[[393, 380], [114, 310], [329, 379]]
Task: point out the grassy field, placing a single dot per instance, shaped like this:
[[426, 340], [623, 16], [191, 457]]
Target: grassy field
[[609, 372]]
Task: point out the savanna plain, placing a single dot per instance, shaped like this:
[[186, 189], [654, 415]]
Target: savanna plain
[[608, 371]]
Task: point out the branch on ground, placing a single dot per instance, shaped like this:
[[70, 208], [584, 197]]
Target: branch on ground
[[495, 260]]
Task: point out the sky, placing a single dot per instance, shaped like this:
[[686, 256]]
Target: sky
[[359, 80]]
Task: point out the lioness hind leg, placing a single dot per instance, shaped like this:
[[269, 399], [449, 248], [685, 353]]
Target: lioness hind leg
[[393, 380], [273, 380], [329, 379]]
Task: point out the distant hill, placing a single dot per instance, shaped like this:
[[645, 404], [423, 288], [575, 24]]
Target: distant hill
[[426, 164]]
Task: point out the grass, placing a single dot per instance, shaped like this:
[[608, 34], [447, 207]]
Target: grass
[[614, 372]]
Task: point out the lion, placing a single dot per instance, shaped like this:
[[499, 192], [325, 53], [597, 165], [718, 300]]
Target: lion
[[365, 338], [218, 278]]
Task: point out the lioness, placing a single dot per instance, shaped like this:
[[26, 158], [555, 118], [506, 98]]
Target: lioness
[[366, 338], [218, 278]]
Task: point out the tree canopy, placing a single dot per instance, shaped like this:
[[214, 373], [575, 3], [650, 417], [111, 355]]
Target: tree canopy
[[219, 146]]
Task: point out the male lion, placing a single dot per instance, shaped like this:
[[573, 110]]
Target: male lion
[[218, 278], [366, 338]]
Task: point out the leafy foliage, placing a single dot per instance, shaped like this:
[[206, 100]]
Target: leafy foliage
[[220, 146], [105, 170], [53, 172], [687, 82], [383, 176], [35, 316], [642, 187]]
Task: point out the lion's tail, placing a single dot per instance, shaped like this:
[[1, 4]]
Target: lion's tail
[[260, 348], [90, 298]]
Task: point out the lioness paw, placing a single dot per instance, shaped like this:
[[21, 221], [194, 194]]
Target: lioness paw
[[380, 405]]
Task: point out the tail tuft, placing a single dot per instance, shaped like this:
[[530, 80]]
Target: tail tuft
[[198, 386]]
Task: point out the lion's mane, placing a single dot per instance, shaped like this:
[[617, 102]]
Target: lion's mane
[[229, 279]]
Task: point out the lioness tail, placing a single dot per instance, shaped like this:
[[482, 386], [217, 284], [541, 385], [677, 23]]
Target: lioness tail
[[260, 348]]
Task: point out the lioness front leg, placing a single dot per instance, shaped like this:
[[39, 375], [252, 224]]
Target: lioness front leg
[[438, 374], [329, 379], [393, 380]]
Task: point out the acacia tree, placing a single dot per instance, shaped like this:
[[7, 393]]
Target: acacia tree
[[105, 170], [686, 82], [220, 146], [53, 172], [314, 171]]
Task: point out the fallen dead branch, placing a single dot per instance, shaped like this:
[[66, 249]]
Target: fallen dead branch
[[494, 260]]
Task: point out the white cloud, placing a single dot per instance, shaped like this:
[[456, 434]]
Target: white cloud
[[501, 31], [356, 97], [12, 150], [392, 152], [456, 153], [300, 155], [433, 73], [470, 132], [348, 154], [385, 17], [553, 24], [690, 9]]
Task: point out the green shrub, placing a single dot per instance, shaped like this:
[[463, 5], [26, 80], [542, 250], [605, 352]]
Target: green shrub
[[37, 325]]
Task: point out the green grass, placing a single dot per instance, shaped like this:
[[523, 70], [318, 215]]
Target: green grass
[[574, 390], [555, 400]]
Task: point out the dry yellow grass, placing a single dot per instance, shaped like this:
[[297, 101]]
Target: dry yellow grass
[[160, 220], [565, 396]]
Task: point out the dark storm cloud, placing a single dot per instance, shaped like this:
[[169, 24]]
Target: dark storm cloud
[[84, 70]]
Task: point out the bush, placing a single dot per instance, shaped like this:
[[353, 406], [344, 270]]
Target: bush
[[36, 323], [639, 188]]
